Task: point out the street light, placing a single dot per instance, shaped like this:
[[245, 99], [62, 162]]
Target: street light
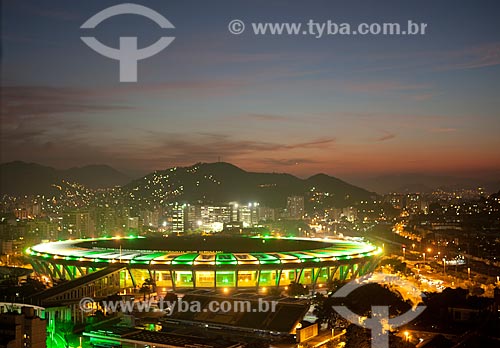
[[407, 336], [424, 258], [404, 253], [444, 265], [468, 272]]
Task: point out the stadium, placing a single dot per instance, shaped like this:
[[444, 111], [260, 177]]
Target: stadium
[[208, 261]]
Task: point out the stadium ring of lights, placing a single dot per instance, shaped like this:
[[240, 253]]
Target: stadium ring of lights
[[209, 262]]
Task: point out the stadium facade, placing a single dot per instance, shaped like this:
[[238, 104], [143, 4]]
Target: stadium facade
[[208, 262]]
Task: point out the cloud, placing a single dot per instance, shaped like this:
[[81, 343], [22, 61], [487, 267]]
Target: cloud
[[59, 14], [37, 122], [176, 148], [474, 57], [413, 91], [38, 9], [206, 144], [443, 130], [469, 57], [319, 143], [386, 136], [151, 150], [24, 101], [287, 162], [37, 125], [422, 97], [384, 86], [267, 117], [181, 85], [21, 101]]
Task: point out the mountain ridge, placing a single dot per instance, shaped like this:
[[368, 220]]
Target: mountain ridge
[[20, 178], [223, 182], [424, 183]]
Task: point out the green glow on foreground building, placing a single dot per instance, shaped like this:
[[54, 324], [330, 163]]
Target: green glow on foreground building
[[209, 262]]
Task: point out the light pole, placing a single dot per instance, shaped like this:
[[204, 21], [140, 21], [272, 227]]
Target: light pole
[[444, 265], [404, 253], [424, 258], [468, 272]]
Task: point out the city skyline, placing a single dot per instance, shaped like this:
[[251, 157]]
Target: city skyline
[[351, 107]]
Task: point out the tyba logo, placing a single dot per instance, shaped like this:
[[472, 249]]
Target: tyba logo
[[380, 323], [127, 54]]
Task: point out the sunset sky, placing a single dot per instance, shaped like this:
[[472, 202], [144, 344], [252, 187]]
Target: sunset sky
[[348, 106]]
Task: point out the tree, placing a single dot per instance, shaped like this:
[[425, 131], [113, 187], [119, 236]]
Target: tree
[[146, 288], [476, 291], [323, 309], [357, 337], [65, 328], [115, 298], [334, 284], [151, 283], [170, 297], [275, 292], [400, 267], [297, 289]]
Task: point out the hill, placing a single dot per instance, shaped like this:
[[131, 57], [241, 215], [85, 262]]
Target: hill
[[206, 182], [223, 182], [21, 178], [426, 183]]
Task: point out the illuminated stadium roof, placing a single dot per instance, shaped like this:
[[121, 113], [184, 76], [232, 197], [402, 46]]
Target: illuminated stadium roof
[[202, 251]]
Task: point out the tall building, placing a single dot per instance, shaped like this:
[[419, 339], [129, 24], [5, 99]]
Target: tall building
[[6, 247], [395, 199], [248, 214], [77, 224], [178, 218], [43, 228], [234, 211], [150, 218], [415, 203], [108, 221], [133, 223], [216, 213], [25, 330], [348, 213], [212, 217], [209, 217], [295, 207], [122, 214], [193, 217], [267, 214]]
